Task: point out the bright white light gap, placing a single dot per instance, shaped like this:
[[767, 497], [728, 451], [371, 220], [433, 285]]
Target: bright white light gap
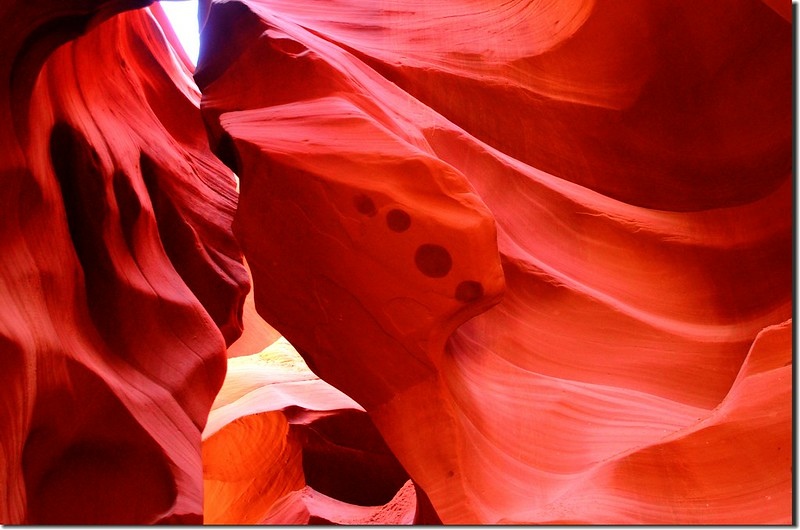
[[183, 17]]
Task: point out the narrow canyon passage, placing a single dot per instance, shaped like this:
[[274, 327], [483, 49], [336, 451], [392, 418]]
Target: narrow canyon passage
[[418, 262]]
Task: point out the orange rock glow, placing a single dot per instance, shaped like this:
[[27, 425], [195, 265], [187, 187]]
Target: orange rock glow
[[511, 262]]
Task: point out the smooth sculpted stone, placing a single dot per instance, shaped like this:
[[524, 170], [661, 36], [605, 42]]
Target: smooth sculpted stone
[[597, 240], [544, 249], [120, 278], [284, 447]]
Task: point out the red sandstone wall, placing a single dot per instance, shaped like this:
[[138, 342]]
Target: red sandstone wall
[[543, 248], [604, 189], [121, 280]]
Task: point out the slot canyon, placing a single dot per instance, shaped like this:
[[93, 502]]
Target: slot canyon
[[399, 262]]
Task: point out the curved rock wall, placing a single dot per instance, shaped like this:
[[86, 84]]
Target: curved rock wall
[[120, 275], [544, 249], [620, 176]]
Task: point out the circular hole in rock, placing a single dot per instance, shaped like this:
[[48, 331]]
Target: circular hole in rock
[[365, 205], [469, 290], [433, 260], [398, 220]]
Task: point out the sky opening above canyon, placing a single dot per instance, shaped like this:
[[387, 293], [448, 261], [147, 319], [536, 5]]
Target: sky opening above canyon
[[183, 17]]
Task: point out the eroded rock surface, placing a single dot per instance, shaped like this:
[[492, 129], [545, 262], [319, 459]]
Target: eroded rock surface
[[284, 447], [121, 280], [544, 249], [605, 188]]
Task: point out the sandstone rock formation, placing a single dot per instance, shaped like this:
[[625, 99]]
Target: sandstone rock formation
[[542, 251], [283, 447], [634, 162], [120, 275]]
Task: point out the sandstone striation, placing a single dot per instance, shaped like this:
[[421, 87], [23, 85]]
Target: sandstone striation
[[284, 447], [121, 279], [540, 244], [537, 257]]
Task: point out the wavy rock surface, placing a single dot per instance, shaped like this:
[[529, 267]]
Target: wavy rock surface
[[284, 447], [547, 246], [121, 280]]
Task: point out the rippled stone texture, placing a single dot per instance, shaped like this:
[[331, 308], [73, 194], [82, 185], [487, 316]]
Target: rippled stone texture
[[604, 189], [544, 248], [121, 280], [284, 447]]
